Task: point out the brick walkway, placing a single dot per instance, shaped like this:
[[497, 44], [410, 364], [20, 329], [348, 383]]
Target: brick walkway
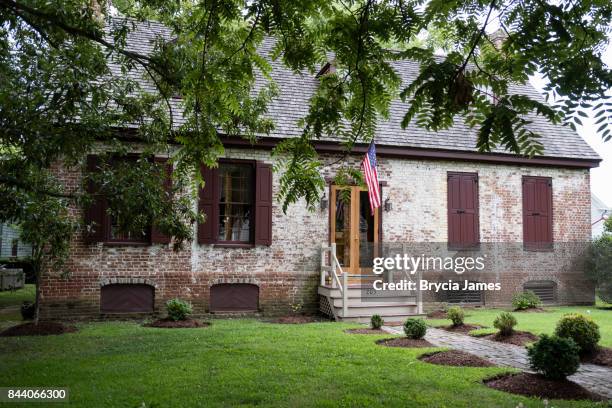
[[593, 377]]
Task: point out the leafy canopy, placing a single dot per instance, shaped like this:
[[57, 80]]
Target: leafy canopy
[[65, 89]]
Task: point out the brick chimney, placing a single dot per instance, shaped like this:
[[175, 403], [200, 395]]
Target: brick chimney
[[328, 68]]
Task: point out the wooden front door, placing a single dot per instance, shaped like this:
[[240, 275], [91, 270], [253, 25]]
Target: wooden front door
[[354, 229]]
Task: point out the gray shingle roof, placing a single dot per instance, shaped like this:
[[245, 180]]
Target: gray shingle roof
[[295, 89]]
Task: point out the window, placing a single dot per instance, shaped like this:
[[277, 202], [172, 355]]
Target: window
[[14, 247], [101, 227], [237, 202], [115, 235], [463, 227], [537, 213]]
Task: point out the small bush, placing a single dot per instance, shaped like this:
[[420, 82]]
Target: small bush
[[456, 315], [178, 309], [28, 310], [376, 322], [505, 323], [553, 356], [415, 328], [582, 329], [526, 300]]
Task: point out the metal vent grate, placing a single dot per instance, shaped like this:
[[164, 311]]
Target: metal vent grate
[[546, 290], [467, 297]]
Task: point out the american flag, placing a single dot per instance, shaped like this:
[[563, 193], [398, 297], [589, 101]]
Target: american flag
[[368, 166]]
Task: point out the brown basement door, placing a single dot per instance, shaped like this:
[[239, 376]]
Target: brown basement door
[[127, 298], [234, 297]]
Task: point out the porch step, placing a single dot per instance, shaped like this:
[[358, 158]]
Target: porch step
[[361, 306], [359, 291], [382, 301], [386, 317], [382, 310]]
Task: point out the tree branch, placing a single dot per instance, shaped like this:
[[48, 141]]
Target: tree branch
[[16, 183], [16, 7], [478, 37]]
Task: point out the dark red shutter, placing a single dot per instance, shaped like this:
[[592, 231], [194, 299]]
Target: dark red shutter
[[208, 205], [95, 211], [463, 228], [157, 237], [537, 212], [263, 204]]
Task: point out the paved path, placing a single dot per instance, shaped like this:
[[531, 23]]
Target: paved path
[[593, 377]]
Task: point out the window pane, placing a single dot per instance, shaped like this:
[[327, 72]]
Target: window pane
[[235, 202], [117, 235]]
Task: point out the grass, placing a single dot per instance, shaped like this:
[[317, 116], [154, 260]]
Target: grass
[[17, 297], [242, 363], [539, 322], [247, 363], [11, 300]]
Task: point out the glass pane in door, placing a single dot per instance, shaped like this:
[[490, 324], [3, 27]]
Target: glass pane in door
[[367, 232], [342, 226]]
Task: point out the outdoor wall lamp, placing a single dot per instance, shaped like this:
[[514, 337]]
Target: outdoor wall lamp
[[388, 205], [324, 202]]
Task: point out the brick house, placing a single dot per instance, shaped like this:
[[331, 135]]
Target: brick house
[[250, 256]]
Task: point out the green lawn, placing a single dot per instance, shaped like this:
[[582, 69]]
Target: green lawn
[[11, 300], [241, 362], [541, 322], [16, 297]]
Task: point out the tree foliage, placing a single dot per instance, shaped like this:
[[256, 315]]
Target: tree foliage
[[65, 89], [599, 263]]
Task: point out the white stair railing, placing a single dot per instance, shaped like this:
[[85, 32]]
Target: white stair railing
[[331, 270]]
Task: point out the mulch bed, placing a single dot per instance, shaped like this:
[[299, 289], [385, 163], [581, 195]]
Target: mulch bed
[[535, 385], [405, 342], [464, 328], [42, 329], [456, 358], [518, 338], [365, 331], [294, 320], [177, 324], [601, 356], [438, 314]]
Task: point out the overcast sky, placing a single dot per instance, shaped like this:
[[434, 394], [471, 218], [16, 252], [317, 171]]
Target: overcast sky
[[601, 177]]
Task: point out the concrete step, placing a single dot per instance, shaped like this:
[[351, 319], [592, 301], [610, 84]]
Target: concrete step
[[381, 310], [366, 319], [389, 301], [358, 292]]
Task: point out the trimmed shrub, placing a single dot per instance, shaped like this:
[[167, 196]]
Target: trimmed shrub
[[376, 322], [415, 328], [178, 309], [505, 323], [526, 300], [28, 310], [456, 315], [553, 356], [580, 328]]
